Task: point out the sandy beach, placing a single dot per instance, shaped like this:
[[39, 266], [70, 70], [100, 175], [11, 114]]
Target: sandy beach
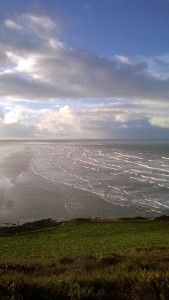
[[65, 181]]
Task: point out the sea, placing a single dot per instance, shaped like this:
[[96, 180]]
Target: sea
[[81, 179]]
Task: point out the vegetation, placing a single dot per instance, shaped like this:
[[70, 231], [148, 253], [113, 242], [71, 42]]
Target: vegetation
[[85, 259]]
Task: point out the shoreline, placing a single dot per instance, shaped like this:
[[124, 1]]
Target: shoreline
[[43, 224], [85, 182]]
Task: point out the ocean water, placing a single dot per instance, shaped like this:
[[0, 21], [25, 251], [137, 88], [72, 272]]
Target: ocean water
[[64, 180]]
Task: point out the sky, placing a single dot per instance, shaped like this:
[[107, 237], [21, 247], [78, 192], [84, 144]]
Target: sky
[[93, 69]]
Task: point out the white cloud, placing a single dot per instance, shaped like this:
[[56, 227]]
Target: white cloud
[[160, 121], [20, 63], [39, 23], [70, 121], [12, 117], [12, 25], [123, 59], [37, 65]]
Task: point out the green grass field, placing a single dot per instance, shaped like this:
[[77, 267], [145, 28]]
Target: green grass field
[[81, 238], [86, 259]]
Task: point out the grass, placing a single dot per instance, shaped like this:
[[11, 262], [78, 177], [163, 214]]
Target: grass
[[86, 259], [79, 238]]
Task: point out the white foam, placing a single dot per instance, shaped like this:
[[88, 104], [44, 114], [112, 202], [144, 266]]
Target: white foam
[[153, 168], [146, 204], [112, 157], [138, 179], [141, 171], [62, 169], [93, 169], [129, 156], [112, 187], [81, 178], [154, 210], [118, 189], [161, 204], [161, 185], [153, 178], [37, 173], [76, 158], [128, 161], [102, 166]]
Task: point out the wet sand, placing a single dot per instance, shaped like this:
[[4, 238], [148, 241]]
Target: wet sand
[[39, 181], [24, 196]]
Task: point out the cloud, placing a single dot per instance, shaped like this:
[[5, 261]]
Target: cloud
[[12, 25], [36, 64], [39, 21], [123, 59], [160, 121], [85, 95], [42, 25], [105, 120]]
